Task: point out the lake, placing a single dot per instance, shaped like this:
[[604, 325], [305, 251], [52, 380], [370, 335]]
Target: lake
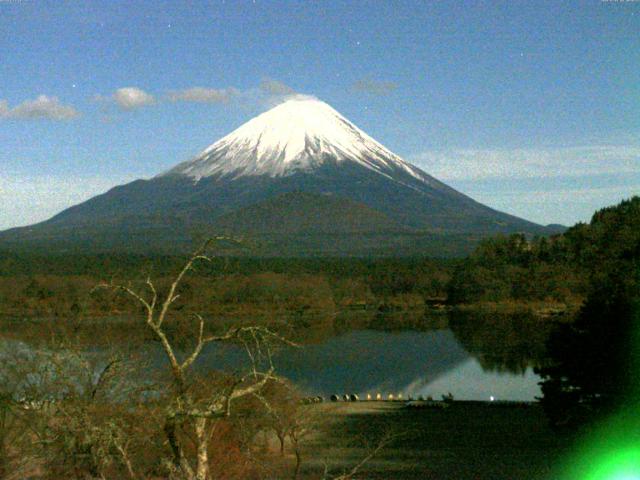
[[410, 363], [472, 356]]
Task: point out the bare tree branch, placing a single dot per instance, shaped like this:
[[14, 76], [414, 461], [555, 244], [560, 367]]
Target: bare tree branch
[[386, 439], [171, 296], [186, 408]]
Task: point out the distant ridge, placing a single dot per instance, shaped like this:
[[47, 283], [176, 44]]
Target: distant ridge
[[300, 176]]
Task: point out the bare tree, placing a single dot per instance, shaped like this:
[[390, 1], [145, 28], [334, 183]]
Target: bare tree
[[304, 424], [67, 411], [373, 450], [95, 416], [289, 419], [78, 412], [195, 406], [23, 376]]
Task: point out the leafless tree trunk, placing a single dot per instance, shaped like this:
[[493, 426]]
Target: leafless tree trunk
[[296, 450], [200, 424], [185, 409], [281, 439]]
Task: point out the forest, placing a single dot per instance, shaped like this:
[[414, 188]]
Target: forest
[[67, 411], [507, 270], [62, 286]]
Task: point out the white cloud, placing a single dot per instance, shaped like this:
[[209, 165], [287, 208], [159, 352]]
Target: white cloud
[[42, 107], [275, 87], [203, 95], [30, 199], [268, 93], [472, 164], [129, 98], [548, 185]]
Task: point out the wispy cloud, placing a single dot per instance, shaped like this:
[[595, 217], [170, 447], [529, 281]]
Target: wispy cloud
[[127, 98], [275, 87], [562, 205], [269, 92], [546, 185], [130, 98], [203, 95], [30, 199], [375, 87], [42, 107], [470, 164]]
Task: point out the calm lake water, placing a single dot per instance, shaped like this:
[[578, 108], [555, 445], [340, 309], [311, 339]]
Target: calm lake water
[[410, 363], [472, 356]]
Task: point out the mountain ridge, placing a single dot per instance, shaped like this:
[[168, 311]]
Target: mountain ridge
[[296, 135], [302, 146]]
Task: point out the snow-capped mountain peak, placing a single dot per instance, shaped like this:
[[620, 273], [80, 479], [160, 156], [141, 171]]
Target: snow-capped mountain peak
[[300, 178], [297, 135]]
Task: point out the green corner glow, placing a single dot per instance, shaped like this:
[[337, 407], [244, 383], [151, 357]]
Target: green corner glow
[[610, 452], [621, 465]]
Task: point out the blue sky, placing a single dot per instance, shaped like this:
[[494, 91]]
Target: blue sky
[[530, 107]]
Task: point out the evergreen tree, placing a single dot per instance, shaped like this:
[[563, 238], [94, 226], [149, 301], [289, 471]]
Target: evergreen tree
[[596, 360]]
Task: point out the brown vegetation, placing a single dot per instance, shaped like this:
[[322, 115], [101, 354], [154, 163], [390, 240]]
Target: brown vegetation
[[68, 410]]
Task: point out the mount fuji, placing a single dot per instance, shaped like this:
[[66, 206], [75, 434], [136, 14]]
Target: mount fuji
[[299, 179]]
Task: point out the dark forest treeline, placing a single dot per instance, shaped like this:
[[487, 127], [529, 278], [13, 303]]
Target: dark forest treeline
[[62, 286], [516, 269], [503, 269], [595, 367], [129, 265], [592, 366], [560, 268]]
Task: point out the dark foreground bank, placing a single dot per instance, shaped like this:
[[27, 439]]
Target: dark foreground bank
[[472, 441]]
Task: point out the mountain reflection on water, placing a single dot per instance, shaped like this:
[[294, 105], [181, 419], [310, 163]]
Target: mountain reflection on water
[[360, 361], [476, 357], [473, 355]]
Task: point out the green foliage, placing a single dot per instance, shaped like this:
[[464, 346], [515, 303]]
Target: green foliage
[[61, 286], [592, 369], [548, 269], [595, 367]]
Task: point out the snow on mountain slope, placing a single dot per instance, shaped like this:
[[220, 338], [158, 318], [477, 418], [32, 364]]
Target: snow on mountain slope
[[297, 135]]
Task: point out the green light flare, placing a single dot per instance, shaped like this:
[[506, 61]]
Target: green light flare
[[618, 465], [611, 452]]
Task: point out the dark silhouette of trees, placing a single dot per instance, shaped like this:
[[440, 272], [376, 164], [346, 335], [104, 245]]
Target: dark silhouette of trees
[[595, 360]]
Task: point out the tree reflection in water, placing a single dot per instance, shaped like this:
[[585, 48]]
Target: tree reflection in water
[[503, 342]]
